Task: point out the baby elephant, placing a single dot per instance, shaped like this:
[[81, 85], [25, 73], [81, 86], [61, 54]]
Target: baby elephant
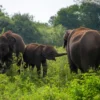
[[36, 54]]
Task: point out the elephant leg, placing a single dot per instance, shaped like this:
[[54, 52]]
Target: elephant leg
[[84, 66], [97, 63], [38, 66], [44, 64], [72, 66], [19, 59], [7, 66], [1, 67], [19, 64]]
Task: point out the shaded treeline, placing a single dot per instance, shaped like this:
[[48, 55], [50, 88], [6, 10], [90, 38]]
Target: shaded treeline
[[85, 14]]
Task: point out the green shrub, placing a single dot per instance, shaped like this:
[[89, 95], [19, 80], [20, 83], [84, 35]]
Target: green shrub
[[59, 84]]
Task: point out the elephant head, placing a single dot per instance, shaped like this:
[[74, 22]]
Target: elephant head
[[10, 43], [50, 53], [6, 45], [66, 35]]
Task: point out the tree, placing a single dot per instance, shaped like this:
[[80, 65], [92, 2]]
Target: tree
[[5, 21], [51, 20], [88, 1], [24, 25], [85, 14], [90, 15], [68, 17]]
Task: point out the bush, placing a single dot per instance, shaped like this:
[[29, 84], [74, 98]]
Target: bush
[[59, 84]]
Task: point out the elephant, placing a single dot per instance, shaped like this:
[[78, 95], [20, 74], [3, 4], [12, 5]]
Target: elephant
[[83, 48], [37, 54], [10, 43]]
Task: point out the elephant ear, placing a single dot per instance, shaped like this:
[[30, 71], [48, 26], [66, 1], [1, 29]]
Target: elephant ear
[[66, 35], [11, 41], [43, 52], [3, 39], [48, 52]]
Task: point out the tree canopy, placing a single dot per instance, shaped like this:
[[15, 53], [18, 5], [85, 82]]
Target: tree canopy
[[84, 13]]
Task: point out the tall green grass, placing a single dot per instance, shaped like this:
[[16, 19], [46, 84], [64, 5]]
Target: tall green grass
[[59, 84]]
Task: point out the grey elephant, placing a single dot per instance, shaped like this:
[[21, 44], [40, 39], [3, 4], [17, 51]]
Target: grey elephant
[[83, 48], [10, 43], [37, 54]]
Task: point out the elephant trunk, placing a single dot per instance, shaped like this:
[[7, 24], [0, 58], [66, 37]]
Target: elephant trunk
[[60, 54]]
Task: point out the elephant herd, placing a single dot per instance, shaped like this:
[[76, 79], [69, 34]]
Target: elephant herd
[[33, 54], [82, 47]]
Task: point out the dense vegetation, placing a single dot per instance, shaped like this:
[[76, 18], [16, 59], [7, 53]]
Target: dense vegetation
[[31, 31], [59, 84], [80, 14]]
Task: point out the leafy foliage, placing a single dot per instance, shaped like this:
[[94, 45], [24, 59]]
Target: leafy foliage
[[31, 31], [85, 14], [59, 84], [68, 17], [24, 26], [52, 35], [90, 15], [88, 1]]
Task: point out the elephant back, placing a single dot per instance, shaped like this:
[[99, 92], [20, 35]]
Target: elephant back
[[19, 43]]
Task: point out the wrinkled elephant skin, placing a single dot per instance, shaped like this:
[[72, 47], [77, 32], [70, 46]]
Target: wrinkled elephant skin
[[10, 43], [83, 48], [36, 54]]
